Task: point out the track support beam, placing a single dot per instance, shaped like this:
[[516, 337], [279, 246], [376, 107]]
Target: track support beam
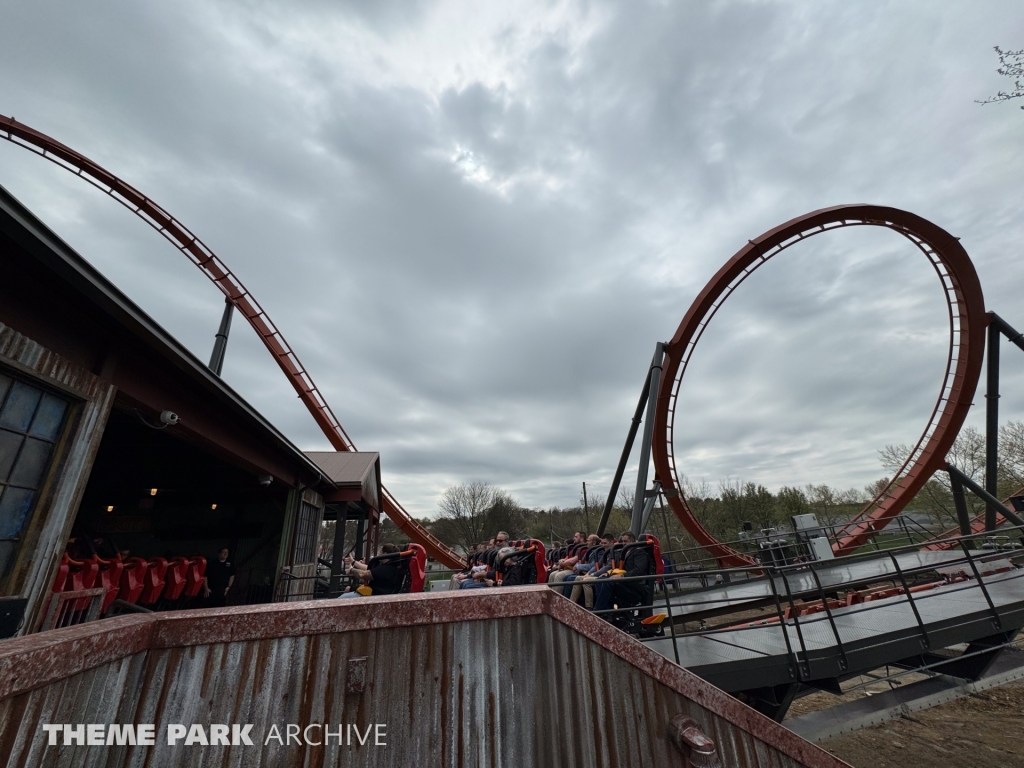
[[963, 517], [641, 510], [956, 475], [626, 449], [220, 345]]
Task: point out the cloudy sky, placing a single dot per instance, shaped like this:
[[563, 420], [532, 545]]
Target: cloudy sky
[[473, 221]]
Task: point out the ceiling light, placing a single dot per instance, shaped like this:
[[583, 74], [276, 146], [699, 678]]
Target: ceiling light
[[152, 491], [213, 506], [110, 509]]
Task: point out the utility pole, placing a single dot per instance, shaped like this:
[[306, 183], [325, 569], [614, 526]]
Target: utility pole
[[586, 508]]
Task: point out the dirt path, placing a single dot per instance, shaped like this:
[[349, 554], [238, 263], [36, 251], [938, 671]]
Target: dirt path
[[979, 731]]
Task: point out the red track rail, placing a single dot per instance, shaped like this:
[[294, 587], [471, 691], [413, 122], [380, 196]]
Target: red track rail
[[967, 323], [203, 257]]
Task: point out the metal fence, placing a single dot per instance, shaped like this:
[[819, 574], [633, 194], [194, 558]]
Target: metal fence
[[318, 586], [902, 530], [793, 605], [74, 607]]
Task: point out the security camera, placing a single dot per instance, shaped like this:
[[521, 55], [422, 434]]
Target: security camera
[[170, 418], [266, 480]]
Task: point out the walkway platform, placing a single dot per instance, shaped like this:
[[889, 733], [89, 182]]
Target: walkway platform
[[728, 598], [815, 649]]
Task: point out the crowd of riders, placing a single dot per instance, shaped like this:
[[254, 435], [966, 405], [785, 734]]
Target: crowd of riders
[[612, 575], [601, 573], [604, 572]]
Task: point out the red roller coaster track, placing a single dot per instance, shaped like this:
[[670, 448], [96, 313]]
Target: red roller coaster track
[[967, 323], [218, 272]]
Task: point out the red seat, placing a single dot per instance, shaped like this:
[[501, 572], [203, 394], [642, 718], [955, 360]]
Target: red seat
[[417, 568], [650, 538], [154, 581], [132, 579], [540, 561], [82, 575], [109, 578], [194, 576], [60, 581], [177, 569]]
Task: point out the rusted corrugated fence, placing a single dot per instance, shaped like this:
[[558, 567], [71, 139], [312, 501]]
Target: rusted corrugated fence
[[506, 677]]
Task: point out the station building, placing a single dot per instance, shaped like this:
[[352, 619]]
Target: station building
[[115, 439]]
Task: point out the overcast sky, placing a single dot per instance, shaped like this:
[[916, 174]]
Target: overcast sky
[[473, 221]]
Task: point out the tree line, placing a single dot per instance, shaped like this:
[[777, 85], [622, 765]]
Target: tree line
[[470, 513]]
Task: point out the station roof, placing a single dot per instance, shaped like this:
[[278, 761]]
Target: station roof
[[56, 271], [352, 470]]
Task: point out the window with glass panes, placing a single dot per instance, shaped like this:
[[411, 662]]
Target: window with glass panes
[[31, 420]]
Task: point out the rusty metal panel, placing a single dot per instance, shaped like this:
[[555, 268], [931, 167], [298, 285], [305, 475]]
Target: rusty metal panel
[[549, 685]]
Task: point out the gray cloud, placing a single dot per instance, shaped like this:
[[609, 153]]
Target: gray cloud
[[473, 225]]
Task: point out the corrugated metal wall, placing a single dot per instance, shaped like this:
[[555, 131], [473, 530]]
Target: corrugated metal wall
[[517, 692]]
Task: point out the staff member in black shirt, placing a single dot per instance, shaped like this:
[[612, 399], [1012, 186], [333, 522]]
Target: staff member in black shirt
[[220, 577]]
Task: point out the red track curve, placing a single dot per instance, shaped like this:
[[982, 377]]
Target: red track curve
[[967, 323], [215, 269]]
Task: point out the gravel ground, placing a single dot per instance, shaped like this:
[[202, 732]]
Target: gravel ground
[[979, 731]]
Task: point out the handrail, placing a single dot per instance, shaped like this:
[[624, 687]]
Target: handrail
[[844, 664], [800, 658], [910, 598]]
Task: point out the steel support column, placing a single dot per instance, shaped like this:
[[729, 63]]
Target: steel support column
[[645, 446], [626, 450], [650, 497], [992, 420], [963, 517], [221, 344], [984, 495]]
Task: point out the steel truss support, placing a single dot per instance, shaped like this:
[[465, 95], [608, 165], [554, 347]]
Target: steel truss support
[[648, 395], [956, 477], [641, 509], [650, 497], [963, 517], [773, 701]]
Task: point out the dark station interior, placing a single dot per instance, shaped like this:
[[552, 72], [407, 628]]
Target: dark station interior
[[151, 494]]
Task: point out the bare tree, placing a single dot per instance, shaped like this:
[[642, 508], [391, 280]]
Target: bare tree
[[627, 496], [873, 489], [826, 504], [1011, 457], [503, 514], [463, 513], [1011, 64], [936, 498], [701, 502]]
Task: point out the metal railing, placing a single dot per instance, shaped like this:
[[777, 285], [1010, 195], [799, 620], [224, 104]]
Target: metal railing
[[320, 586], [795, 603], [77, 606], [900, 527]]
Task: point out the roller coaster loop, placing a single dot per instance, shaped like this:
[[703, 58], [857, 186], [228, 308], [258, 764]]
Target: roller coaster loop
[[967, 324]]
